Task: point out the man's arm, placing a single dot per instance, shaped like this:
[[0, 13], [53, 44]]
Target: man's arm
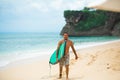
[[72, 46]]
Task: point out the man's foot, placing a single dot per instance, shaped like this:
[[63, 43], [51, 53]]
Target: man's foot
[[67, 79], [60, 76]]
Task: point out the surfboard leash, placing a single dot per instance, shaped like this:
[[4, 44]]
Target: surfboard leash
[[49, 69]]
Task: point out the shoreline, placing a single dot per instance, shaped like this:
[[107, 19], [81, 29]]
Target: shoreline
[[101, 61], [25, 61], [98, 44], [20, 47], [38, 58]]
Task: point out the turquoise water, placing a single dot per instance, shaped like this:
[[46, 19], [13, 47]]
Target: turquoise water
[[17, 46], [12, 42]]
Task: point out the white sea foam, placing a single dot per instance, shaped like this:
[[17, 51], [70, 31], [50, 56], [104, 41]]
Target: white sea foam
[[16, 47]]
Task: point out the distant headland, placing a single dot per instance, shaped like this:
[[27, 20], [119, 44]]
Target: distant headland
[[90, 22]]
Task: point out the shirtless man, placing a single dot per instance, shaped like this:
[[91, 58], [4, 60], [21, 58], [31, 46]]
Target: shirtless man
[[65, 60]]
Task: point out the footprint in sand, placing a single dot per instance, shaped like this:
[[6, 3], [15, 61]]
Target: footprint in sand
[[93, 59], [47, 77], [118, 51], [72, 61], [54, 77], [72, 78]]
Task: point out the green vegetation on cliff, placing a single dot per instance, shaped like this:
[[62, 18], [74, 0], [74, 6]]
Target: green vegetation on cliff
[[89, 20]]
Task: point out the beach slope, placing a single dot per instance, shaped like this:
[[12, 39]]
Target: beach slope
[[100, 62]]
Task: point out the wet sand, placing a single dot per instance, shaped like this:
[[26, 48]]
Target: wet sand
[[101, 62]]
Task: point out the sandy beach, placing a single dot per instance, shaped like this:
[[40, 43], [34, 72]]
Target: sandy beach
[[101, 62]]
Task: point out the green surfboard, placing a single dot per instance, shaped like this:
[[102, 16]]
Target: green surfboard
[[61, 52]]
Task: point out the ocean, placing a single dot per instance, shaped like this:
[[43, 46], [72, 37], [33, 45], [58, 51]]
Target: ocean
[[19, 46]]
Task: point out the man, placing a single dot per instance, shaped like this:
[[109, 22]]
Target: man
[[65, 60]]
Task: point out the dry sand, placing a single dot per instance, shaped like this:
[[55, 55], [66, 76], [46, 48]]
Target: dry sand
[[95, 63]]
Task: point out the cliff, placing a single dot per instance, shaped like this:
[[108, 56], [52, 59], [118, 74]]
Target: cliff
[[90, 22]]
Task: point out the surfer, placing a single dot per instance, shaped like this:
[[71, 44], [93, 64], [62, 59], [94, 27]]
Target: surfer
[[65, 60]]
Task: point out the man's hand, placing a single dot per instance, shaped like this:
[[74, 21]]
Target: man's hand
[[76, 57]]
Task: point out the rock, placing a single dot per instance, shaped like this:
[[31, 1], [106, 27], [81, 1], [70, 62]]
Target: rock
[[116, 30], [110, 27]]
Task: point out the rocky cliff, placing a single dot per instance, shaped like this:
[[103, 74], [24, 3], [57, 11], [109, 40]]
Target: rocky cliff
[[91, 23]]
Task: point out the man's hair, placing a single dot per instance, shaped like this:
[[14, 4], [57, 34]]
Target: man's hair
[[65, 33]]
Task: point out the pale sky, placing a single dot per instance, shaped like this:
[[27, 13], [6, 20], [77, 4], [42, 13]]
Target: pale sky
[[37, 15]]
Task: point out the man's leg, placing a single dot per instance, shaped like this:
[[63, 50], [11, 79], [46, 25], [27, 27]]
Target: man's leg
[[67, 71], [60, 71]]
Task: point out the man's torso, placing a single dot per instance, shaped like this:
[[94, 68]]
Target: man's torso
[[68, 44]]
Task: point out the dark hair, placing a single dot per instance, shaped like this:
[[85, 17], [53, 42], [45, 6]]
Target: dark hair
[[65, 33]]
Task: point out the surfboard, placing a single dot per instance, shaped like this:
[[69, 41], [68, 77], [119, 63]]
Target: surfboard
[[61, 52]]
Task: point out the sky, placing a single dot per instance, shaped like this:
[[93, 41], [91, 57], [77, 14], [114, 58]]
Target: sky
[[37, 15]]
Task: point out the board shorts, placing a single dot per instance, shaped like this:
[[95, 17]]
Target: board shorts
[[64, 61]]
